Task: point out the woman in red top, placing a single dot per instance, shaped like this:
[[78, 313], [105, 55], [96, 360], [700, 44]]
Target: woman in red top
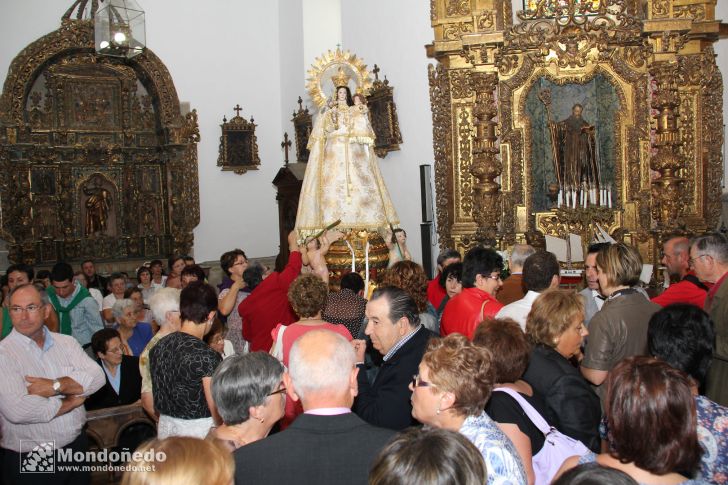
[[307, 295], [481, 281]]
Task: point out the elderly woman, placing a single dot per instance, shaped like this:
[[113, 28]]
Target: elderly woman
[[411, 277], [555, 326], [619, 329], [653, 433], [454, 383], [510, 349], [117, 285], [250, 397], [307, 295], [432, 456], [134, 335], [123, 380]]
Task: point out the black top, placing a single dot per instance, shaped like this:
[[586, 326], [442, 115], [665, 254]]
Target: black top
[[502, 408], [130, 386], [316, 450], [387, 402], [178, 363], [345, 308], [98, 282], [571, 404]]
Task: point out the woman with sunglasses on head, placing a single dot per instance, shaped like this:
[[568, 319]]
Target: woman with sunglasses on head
[[249, 395]]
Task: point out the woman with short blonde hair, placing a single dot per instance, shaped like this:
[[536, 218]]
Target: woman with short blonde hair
[[556, 327], [619, 329], [454, 382], [180, 460]]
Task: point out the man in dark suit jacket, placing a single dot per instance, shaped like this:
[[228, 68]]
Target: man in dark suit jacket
[[395, 330], [123, 369], [327, 444]]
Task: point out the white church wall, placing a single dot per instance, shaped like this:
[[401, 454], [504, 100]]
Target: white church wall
[[393, 35]]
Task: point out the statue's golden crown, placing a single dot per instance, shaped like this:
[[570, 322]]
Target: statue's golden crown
[[341, 78]]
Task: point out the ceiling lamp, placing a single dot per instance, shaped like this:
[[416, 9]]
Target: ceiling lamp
[[119, 28]]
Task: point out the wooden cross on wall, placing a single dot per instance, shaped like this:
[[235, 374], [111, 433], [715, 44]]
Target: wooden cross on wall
[[285, 145]]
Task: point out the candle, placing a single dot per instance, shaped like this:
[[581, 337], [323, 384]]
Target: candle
[[609, 197], [559, 199]]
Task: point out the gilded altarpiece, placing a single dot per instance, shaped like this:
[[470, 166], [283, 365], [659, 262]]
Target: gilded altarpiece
[[645, 77], [96, 159]]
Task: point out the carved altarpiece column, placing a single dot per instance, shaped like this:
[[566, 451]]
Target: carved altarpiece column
[[646, 76]]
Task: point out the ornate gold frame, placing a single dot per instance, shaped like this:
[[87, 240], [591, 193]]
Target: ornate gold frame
[[234, 132], [658, 56], [156, 137]]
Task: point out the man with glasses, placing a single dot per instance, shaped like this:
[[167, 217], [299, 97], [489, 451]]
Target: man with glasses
[[481, 281], [709, 260], [688, 288], [45, 380]]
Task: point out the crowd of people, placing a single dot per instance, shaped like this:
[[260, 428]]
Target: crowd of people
[[468, 378]]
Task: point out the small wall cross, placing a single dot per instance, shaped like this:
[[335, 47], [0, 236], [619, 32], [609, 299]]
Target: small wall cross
[[285, 145]]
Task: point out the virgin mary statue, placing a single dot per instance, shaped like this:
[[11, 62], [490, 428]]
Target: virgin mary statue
[[342, 180]]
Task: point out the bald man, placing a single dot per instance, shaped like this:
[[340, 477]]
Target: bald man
[[688, 289], [327, 444]]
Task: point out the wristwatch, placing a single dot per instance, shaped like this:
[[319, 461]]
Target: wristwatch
[[57, 386]]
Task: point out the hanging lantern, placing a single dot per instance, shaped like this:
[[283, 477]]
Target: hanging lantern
[[119, 28]]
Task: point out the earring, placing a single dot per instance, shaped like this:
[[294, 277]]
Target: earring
[[438, 411], [261, 420]]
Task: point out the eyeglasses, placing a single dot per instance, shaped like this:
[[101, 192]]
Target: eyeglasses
[[691, 261], [281, 390], [240, 263], [417, 382], [32, 308], [491, 277], [116, 350]]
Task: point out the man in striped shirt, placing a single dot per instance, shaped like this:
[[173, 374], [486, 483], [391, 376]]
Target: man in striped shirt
[[45, 379]]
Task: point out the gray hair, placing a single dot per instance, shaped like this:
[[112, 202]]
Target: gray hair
[[44, 299], [714, 245], [119, 306], [243, 381], [401, 304], [519, 255], [164, 300], [447, 254], [328, 370]]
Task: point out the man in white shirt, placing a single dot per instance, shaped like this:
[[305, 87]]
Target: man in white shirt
[[541, 271], [45, 379], [593, 299]]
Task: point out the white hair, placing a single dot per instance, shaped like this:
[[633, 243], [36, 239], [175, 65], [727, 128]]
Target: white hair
[[329, 369], [162, 301], [519, 254]]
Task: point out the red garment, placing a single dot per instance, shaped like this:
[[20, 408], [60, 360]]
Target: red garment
[[683, 291], [268, 305], [435, 292], [463, 312], [290, 335]]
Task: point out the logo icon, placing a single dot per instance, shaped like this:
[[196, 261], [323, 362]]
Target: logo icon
[[40, 459]]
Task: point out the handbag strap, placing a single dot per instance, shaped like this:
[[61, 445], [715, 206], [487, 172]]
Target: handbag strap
[[532, 414]]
